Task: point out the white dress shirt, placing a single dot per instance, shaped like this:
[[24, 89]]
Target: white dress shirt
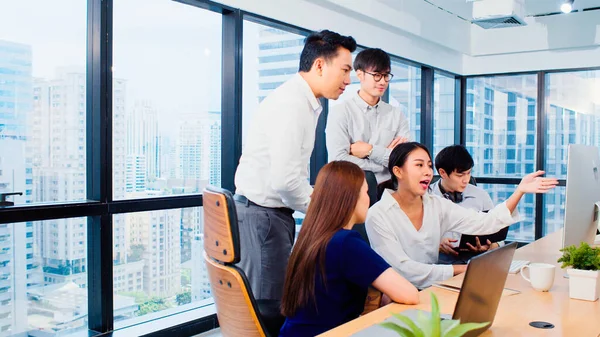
[[354, 120], [273, 168], [413, 253]]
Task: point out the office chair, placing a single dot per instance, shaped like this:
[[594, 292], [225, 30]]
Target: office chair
[[238, 312]]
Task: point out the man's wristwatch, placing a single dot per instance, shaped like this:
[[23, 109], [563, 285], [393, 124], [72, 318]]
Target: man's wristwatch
[[369, 154]]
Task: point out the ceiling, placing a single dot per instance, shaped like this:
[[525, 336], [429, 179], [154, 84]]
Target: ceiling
[[464, 8]]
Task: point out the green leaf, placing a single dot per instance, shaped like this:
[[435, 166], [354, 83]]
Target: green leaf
[[424, 321], [462, 329], [404, 332], [435, 316], [411, 325], [448, 324]]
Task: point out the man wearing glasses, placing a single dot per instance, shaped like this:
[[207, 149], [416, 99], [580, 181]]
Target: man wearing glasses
[[363, 129]]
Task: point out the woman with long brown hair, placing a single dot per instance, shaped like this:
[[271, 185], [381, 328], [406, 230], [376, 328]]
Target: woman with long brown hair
[[331, 266]]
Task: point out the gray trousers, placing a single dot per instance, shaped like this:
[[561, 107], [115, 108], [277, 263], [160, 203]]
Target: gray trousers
[[266, 239]]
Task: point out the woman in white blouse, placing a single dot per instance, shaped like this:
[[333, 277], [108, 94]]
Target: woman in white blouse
[[405, 227]]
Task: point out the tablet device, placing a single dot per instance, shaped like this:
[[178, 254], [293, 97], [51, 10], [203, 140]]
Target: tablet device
[[496, 237]]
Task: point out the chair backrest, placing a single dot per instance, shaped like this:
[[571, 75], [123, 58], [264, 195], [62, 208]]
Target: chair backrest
[[472, 181], [221, 234], [236, 307]]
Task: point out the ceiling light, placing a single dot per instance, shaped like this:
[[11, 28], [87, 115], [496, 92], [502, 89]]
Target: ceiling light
[[567, 6]]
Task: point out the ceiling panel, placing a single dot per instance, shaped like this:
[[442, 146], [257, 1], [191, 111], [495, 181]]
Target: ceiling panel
[[464, 8]]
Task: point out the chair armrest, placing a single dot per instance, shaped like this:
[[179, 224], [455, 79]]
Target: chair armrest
[[373, 300]]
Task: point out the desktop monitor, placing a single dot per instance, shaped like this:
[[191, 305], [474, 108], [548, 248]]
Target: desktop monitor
[[583, 192]]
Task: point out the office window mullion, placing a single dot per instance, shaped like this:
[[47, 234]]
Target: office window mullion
[[427, 107], [231, 93], [99, 164]]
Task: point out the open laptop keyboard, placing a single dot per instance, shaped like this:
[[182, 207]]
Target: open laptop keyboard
[[516, 265]]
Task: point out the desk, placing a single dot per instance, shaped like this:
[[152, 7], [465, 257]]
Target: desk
[[570, 317]]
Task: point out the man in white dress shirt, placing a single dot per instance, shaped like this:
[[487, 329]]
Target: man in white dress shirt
[[272, 177], [454, 164]]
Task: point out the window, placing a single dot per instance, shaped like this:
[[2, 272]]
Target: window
[[531, 108], [554, 206], [520, 231], [575, 114], [34, 276], [405, 92], [271, 57], [443, 111], [175, 281], [512, 111], [500, 112], [531, 124], [41, 62], [166, 99], [529, 154]]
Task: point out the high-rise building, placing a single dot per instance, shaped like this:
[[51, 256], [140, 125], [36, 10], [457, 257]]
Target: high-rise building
[[135, 173], [143, 138], [215, 148], [501, 131], [58, 150], [120, 238], [157, 236], [17, 265]]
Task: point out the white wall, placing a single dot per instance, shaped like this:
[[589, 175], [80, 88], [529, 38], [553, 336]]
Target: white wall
[[336, 15]]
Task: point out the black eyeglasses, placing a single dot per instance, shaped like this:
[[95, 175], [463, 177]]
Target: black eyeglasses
[[377, 76]]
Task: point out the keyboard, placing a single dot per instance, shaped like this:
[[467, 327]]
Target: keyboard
[[516, 265]]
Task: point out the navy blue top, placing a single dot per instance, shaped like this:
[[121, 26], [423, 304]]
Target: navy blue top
[[351, 267]]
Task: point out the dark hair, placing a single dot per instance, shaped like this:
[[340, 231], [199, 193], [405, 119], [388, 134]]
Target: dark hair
[[332, 205], [400, 154], [372, 59], [454, 158], [323, 44]]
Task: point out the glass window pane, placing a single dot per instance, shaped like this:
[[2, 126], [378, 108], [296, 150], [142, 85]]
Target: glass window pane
[[554, 207], [405, 92], [443, 112], [166, 99], [501, 121], [271, 57], [43, 100], [158, 264], [573, 116], [43, 277], [523, 231]]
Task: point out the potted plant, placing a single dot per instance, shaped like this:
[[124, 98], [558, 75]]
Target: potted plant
[[584, 283], [431, 325]]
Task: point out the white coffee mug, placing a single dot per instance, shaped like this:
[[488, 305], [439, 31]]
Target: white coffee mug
[[541, 275]]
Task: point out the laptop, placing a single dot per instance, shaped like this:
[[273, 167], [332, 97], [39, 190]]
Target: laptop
[[479, 296]]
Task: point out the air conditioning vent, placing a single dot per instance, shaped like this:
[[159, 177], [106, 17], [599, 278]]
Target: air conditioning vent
[[500, 22], [490, 14]]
